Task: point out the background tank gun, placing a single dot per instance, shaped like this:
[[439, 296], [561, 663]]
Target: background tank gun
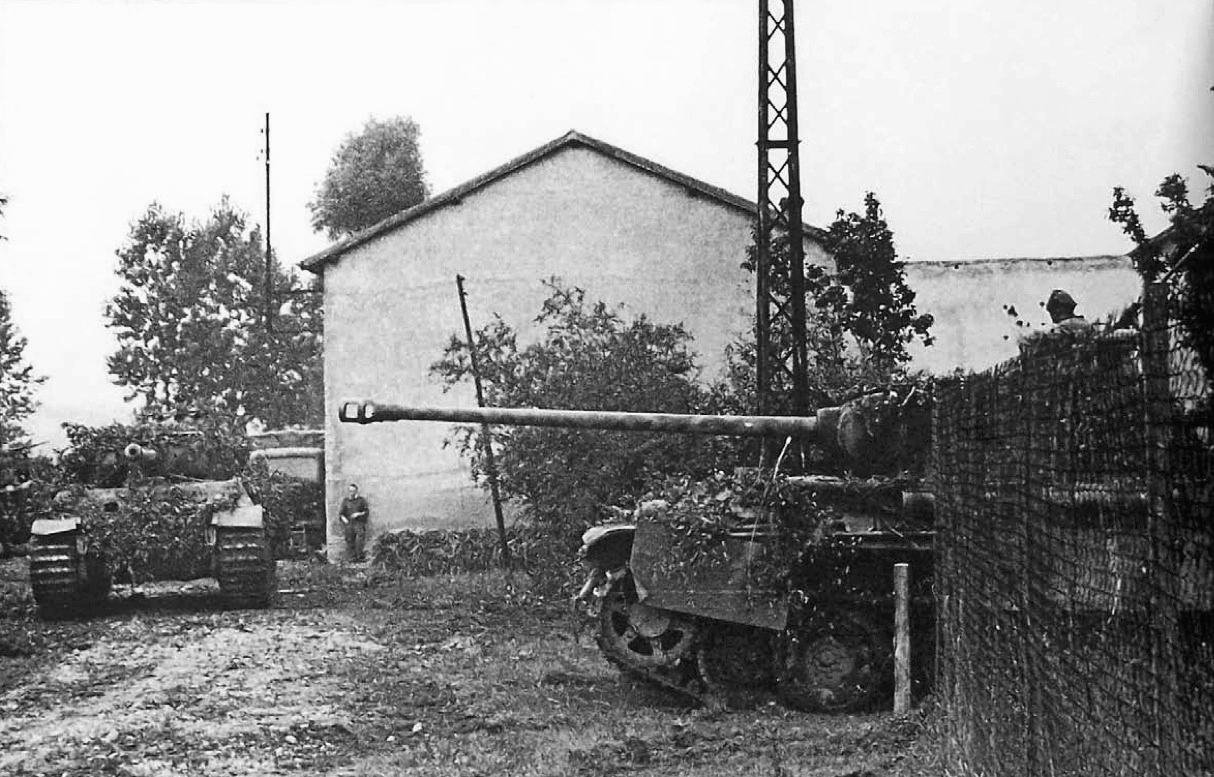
[[712, 629]]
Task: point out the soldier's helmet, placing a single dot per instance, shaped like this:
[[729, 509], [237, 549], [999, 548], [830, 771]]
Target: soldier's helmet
[[1060, 305]]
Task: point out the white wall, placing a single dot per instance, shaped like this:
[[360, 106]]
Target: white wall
[[972, 329], [391, 306]]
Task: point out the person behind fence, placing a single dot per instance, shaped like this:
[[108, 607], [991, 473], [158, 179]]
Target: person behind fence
[[354, 513], [1061, 307]]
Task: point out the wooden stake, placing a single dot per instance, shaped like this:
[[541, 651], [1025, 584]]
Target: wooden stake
[[902, 694]]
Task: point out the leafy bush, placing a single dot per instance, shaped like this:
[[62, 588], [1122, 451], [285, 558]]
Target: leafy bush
[[35, 481], [700, 515], [590, 357], [427, 553], [150, 533]]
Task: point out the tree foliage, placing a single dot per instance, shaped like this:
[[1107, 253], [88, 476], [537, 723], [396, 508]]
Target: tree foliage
[[18, 381], [373, 175], [189, 322], [1183, 254], [860, 318], [589, 357]]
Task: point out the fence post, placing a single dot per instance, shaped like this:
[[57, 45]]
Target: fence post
[[1029, 395], [1161, 572], [902, 657]]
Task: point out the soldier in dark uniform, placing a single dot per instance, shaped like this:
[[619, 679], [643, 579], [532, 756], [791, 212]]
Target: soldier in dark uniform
[[1061, 307], [354, 513]]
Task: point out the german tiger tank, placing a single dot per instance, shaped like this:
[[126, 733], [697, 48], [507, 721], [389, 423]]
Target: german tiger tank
[[753, 585], [173, 511]]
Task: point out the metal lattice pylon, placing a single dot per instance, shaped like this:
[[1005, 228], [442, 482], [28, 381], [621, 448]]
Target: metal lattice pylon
[[780, 293]]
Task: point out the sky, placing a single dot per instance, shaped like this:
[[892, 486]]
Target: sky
[[986, 129]]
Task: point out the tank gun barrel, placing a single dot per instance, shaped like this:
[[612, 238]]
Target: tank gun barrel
[[369, 412]]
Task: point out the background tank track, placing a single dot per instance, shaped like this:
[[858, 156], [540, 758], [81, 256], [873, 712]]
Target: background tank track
[[53, 571], [55, 576], [244, 568]]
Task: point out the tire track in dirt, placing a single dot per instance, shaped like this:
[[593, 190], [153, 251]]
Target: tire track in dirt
[[207, 680]]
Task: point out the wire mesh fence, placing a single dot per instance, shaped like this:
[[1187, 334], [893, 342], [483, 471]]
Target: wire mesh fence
[[1075, 490]]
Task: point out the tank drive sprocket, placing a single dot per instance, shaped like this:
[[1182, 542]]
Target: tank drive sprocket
[[654, 645]]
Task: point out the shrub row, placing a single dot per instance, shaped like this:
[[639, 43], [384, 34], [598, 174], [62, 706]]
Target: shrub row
[[438, 552]]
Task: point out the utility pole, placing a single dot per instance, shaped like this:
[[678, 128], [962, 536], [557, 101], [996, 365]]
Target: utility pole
[[779, 198], [269, 310], [486, 435]]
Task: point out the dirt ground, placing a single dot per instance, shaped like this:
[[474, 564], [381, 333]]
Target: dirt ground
[[358, 672]]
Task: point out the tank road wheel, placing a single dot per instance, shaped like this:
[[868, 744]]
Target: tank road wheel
[[60, 581], [245, 571], [643, 637], [736, 664], [836, 662]]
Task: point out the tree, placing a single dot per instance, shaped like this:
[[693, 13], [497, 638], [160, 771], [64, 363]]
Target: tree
[[189, 322], [17, 378], [859, 319], [590, 357], [373, 175], [1183, 254]]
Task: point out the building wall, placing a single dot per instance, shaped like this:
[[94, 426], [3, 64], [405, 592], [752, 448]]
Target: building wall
[[973, 329], [391, 306]]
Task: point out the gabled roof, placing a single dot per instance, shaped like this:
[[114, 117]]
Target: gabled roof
[[569, 140]]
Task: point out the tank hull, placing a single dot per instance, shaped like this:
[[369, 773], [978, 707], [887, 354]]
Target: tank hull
[[715, 637]]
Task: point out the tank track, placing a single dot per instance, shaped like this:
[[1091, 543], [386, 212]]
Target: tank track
[[737, 665], [674, 678], [53, 575], [244, 569]]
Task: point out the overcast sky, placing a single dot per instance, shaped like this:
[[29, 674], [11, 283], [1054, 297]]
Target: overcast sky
[[987, 129]]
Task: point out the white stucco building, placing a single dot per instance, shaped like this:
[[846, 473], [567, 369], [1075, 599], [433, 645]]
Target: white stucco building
[[625, 229], [622, 227]]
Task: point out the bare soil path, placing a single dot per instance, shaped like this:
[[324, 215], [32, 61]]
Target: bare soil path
[[356, 672]]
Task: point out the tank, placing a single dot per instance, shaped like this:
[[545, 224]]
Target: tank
[[70, 569], [819, 634]]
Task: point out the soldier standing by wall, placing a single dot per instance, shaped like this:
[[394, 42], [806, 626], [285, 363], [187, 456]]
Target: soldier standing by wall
[[354, 513]]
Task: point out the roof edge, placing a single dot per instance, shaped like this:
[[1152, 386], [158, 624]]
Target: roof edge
[[1018, 259], [453, 196]]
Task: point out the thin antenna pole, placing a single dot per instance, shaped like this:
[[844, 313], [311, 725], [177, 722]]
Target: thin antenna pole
[[269, 312], [486, 435]]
